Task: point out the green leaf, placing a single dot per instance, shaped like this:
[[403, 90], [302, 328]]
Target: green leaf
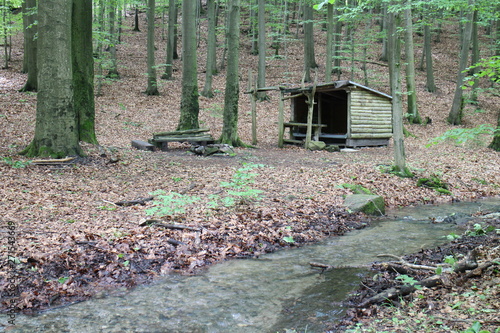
[[289, 239], [63, 279]]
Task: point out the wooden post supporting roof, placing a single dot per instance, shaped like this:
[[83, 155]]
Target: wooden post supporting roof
[[281, 128]]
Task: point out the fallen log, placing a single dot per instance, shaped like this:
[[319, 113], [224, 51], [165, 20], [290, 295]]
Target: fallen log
[[53, 161]]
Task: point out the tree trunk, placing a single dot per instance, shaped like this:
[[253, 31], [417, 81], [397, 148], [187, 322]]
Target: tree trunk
[[475, 55], [394, 58], [413, 115], [30, 42], [309, 58], [211, 67], [152, 89], [261, 73], [172, 21], [329, 41], [430, 85], [113, 70], [495, 144], [455, 115], [383, 55], [231, 96], [189, 100], [83, 69], [136, 19], [56, 129]]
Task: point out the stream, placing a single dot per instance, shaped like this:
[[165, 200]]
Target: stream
[[278, 291]]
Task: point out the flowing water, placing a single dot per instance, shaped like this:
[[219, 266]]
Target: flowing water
[[275, 292]]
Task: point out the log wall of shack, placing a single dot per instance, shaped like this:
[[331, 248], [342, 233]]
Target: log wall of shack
[[370, 115]]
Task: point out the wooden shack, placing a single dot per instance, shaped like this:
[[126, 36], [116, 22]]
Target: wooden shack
[[343, 113]]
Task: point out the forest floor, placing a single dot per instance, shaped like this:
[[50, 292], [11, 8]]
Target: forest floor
[[72, 240]]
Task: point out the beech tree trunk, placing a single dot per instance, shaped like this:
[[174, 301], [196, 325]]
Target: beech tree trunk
[[394, 57], [309, 58], [189, 101], [56, 129], [231, 96], [455, 115], [430, 85], [83, 69], [412, 110], [261, 73], [30, 44], [113, 36], [211, 67], [152, 89], [170, 50]]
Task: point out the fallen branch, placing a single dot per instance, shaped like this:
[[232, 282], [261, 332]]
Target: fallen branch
[[53, 161], [168, 226], [140, 201], [405, 263]]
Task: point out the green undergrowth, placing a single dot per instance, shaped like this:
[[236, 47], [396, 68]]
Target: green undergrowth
[[235, 192], [435, 183]]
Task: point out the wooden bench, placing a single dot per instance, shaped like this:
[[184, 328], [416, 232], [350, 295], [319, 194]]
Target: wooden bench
[[193, 136], [316, 128]]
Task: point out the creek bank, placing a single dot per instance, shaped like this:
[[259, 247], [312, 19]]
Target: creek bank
[[455, 304]]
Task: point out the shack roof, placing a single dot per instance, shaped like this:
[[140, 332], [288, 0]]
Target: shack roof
[[333, 86]]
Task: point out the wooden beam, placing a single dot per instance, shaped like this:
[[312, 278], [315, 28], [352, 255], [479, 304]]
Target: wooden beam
[[281, 128]]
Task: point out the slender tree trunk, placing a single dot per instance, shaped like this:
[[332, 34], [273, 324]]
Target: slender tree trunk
[[189, 100], [56, 129], [30, 42], [383, 55], [172, 21], [99, 47], [211, 67], [309, 58], [455, 115], [413, 115], [152, 89], [475, 55], [113, 70], [261, 73], [337, 46], [83, 69], [136, 19], [429, 70], [231, 96], [329, 41], [394, 57]]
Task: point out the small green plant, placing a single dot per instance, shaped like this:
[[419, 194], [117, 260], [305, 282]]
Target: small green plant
[[452, 236], [15, 164], [170, 204], [476, 328], [63, 279], [461, 136], [289, 239], [409, 280], [479, 230], [239, 187]]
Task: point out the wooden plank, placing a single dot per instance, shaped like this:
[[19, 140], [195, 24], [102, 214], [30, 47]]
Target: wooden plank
[[183, 138], [292, 141], [189, 131], [143, 145], [292, 124], [370, 135]]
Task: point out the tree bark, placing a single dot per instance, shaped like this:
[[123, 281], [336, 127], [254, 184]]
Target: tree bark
[[172, 21], [309, 58], [394, 54], [211, 66], [83, 69], [56, 129], [455, 115], [495, 144], [430, 85], [189, 100], [231, 96], [152, 89], [329, 41], [113, 70], [412, 110], [30, 44], [261, 73]]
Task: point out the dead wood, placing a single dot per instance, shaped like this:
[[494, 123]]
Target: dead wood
[[404, 290], [139, 201], [160, 223], [53, 161]]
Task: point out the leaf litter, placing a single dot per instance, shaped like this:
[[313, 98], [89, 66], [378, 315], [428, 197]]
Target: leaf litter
[[72, 242]]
